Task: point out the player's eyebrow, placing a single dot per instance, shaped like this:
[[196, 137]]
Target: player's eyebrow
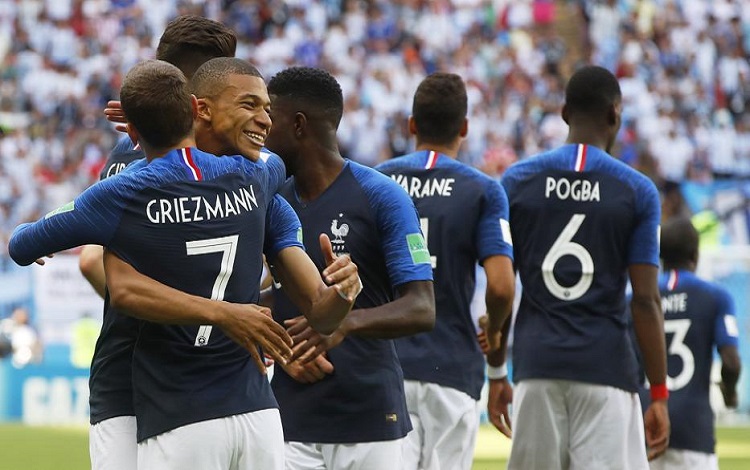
[[252, 96]]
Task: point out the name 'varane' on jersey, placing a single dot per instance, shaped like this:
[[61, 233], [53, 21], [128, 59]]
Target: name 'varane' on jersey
[[369, 217], [464, 218], [186, 212], [698, 316], [579, 218]]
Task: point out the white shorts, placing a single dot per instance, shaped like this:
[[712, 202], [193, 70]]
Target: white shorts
[[560, 424], [446, 423], [679, 459], [112, 444], [250, 441], [383, 455]]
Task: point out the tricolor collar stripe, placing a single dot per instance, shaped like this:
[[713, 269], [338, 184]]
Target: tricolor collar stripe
[[432, 157], [673, 279], [137, 147], [581, 157], [188, 159]]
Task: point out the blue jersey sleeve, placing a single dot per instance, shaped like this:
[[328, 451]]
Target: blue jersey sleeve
[[276, 170], [726, 330], [644, 241], [283, 228], [90, 219], [493, 234], [404, 247]]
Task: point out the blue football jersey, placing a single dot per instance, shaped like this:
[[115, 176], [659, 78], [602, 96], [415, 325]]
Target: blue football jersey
[[122, 155], [578, 218], [698, 317], [368, 216], [464, 218], [194, 222]]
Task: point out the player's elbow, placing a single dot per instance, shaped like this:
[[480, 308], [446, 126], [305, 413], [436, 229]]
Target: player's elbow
[[120, 296], [90, 261], [499, 295], [648, 304], [423, 311]]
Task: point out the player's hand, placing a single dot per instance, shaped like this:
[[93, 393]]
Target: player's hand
[[500, 396], [310, 372], [489, 335], [41, 262], [114, 114], [252, 327], [340, 271], [308, 343], [656, 422], [729, 395]]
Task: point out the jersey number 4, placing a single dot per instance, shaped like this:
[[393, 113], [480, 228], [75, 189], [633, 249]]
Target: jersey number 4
[[424, 224], [564, 246], [227, 246]]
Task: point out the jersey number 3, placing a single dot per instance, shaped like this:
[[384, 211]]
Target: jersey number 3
[[564, 246], [227, 246]]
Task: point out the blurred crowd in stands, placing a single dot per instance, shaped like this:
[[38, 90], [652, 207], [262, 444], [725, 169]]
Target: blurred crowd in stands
[[683, 66]]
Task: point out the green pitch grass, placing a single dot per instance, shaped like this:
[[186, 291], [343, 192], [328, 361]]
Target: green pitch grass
[[46, 448]]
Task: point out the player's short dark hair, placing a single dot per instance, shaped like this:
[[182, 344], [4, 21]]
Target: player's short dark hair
[[189, 40], [439, 107], [311, 86], [156, 101], [679, 241], [592, 90], [209, 77]]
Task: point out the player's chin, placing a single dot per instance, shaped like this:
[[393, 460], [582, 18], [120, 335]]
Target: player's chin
[[251, 152]]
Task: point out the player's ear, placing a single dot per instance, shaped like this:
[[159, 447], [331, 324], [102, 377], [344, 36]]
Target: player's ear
[[565, 114], [412, 126], [300, 123], [194, 105], [464, 128], [202, 109], [132, 133]]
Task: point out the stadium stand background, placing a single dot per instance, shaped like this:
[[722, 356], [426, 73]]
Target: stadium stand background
[[683, 66]]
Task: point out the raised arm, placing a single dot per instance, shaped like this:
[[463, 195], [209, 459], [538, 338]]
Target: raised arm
[[324, 306]]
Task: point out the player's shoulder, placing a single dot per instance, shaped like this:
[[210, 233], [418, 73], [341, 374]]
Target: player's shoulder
[[369, 177]]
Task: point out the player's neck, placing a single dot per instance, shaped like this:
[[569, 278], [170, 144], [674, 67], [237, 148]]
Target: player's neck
[[588, 136], [319, 170], [450, 150], [154, 152]]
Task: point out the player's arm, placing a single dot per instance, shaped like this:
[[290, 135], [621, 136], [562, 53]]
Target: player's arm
[[726, 337], [142, 297], [91, 265], [648, 325], [730, 374], [324, 306]]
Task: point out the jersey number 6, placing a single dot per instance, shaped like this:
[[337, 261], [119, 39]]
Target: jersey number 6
[[565, 246]]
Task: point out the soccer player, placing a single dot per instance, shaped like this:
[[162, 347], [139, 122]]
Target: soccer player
[[189, 219], [464, 218], [187, 42], [698, 316], [346, 409], [582, 223]]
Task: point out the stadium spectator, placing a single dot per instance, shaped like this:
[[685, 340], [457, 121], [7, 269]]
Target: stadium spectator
[[22, 340]]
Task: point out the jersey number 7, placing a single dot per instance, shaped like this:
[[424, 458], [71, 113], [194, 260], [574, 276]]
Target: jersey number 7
[[227, 246]]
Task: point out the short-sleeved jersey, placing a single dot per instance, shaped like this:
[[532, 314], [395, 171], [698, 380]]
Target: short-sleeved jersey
[[698, 316], [122, 155], [578, 218], [369, 216], [464, 218], [194, 222]]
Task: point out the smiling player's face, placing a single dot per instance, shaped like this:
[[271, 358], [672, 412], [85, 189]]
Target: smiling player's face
[[239, 116]]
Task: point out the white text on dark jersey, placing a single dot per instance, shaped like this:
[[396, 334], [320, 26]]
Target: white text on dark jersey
[[429, 187], [199, 208], [577, 189]]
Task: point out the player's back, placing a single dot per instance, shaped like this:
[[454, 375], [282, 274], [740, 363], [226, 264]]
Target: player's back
[[698, 316], [194, 222], [578, 218], [462, 214]]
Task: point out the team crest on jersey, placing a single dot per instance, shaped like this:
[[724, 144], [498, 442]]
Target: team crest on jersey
[[339, 231]]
